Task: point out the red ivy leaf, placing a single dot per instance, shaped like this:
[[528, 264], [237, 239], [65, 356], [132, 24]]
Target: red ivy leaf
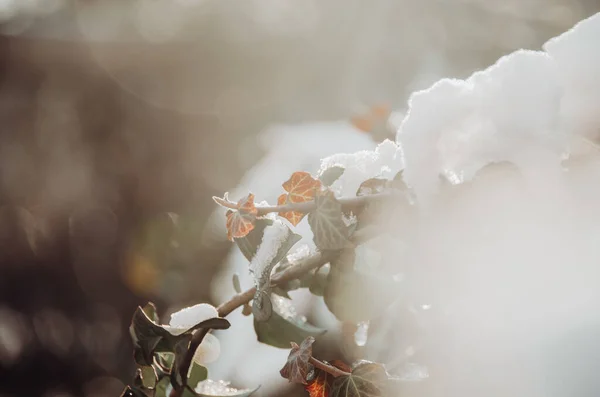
[[241, 222], [301, 187], [297, 366]]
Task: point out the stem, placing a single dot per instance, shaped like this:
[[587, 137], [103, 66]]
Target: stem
[[309, 263], [349, 203], [330, 369]]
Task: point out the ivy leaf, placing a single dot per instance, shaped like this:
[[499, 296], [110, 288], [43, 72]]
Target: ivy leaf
[[197, 374], [297, 366], [366, 380], [372, 186], [278, 240], [248, 244], [327, 223], [148, 337], [262, 307], [284, 326], [331, 174], [398, 181], [301, 187], [318, 282], [320, 385], [211, 388], [161, 388], [146, 377], [133, 392], [241, 222]]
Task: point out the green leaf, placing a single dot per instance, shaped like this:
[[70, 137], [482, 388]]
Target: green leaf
[[261, 305], [150, 311], [146, 377], [149, 337], [248, 245], [331, 174], [197, 374], [356, 295], [280, 330], [366, 380], [326, 222], [318, 281], [133, 392], [161, 388], [211, 388], [262, 308]]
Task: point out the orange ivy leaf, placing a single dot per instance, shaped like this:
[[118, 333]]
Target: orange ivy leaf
[[375, 117], [241, 222], [301, 187], [320, 386], [293, 216]]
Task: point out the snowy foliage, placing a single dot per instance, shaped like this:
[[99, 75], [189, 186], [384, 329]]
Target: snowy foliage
[[525, 109]]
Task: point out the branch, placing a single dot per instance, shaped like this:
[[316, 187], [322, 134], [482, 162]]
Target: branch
[[349, 203], [306, 265]]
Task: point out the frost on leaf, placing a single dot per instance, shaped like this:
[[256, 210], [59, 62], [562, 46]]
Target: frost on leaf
[[327, 223], [284, 326], [297, 367], [241, 222], [301, 187], [276, 241], [331, 174]]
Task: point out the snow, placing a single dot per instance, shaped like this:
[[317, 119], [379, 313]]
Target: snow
[[507, 112], [384, 162], [274, 237]]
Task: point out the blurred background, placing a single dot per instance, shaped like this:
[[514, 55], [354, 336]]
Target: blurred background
[[120, 120]]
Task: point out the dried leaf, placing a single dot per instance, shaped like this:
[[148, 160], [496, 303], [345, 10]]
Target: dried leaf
[[297, 366], [327, 223], [301, 187], [241, 222]]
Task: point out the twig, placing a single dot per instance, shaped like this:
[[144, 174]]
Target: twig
[[309, 263], [330, 369], [349, 203]]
